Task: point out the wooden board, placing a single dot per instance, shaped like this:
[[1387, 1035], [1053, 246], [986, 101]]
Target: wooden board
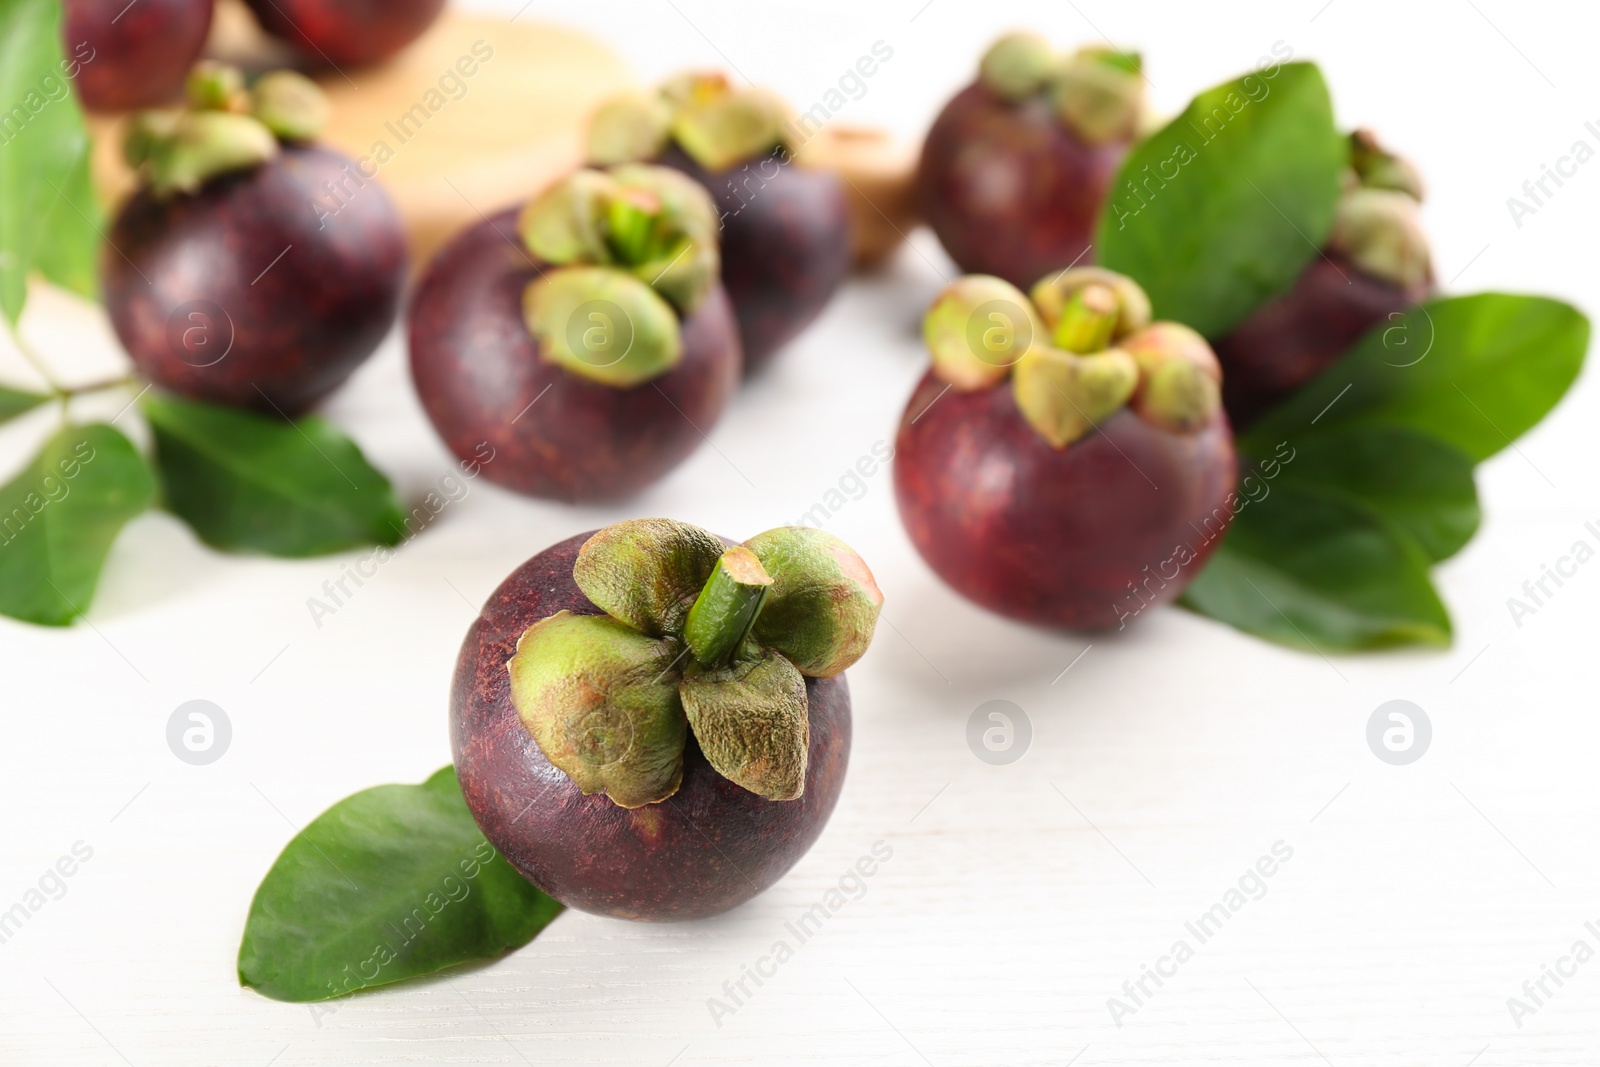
[[478, 142]]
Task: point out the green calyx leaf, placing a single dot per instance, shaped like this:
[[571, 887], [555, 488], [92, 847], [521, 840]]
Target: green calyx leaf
[[602, 324], [977, 329], [204, 145], [1017, 65], [823, 605], [601, 700], [1221, 209], [289, 104], [653, 223], [253, 483], [59, 517], [1098, 93], [721, 130], [631, 128], [696, 636], [1064, 396], [388, 884], [751, 721], [647, 572], [49, 215]]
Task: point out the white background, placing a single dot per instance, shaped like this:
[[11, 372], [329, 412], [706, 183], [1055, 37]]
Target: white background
[[1018, 898]]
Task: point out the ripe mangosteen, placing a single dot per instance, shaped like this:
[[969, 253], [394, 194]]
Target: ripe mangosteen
[[785, 227], [253, 267], [1376, 266], [347, 32], [1066, 462], [130, 56], [653, 723], [1016, 167], [587, 340]]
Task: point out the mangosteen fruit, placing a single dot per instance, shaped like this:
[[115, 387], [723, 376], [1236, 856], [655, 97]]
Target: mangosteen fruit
[[1376, 266], [128, 56], [652, 722], [1066, 461], [253, 266], [341, 33], [785, 228], [585, 339], [1017, 166]]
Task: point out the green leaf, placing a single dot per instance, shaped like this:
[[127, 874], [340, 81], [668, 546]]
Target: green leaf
[[48, 210], [390, 883], [1421, 484], [1318, 571], [1474, 371], [13, 402], [59, 517], [249, 482], [1220, 210]]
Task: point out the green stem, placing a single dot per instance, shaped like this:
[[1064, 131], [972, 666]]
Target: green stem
[[1088, 321], [632, 219], [726, 607], [37, 362]]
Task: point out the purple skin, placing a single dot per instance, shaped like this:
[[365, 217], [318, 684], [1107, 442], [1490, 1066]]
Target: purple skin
[[709, 847], [1072, 538], [1009, 190], [1295, 337], [352, 33], [478, 371], [785, 245], [135, 56], [238, 294]]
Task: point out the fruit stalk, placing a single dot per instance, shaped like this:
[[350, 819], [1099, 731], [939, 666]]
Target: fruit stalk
[[726, 607]]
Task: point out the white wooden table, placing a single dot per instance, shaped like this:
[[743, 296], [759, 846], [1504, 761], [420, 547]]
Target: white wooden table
[[1018, 899]]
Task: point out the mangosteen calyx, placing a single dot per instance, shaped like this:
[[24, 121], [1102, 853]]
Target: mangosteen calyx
[[1078, 350], [695, 637], [1096, 92], [634, 247], [225, 127], [716, 124], [1378, 224]]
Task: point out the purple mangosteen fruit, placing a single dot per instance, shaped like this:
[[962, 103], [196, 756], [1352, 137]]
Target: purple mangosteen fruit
[[652, 722], [1066, 461], [785, 227], [227, 276], [1376, 266], [1017, 166], [586, 340], [347, 32], [124, 56]]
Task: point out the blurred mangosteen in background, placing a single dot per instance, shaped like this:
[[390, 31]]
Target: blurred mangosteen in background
[[125, 55], [586, 340], [354, 33], [785, 238], [1375, 266], [1065, 461], [239, 272], [1017, 166]]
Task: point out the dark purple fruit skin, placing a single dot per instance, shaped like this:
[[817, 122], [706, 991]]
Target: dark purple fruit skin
[[299, 326], [1295, 337], [709, 847], [347, 32], [1055, 537], [133, 56], [478, 369], [1009, 190], [785, 245]]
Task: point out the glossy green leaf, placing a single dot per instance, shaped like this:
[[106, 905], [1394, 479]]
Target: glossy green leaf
[[390, 883], [1222, 208], [59, 517], [1474, 371], [48, 211], [258, 483], [13, 402], [1321, 572], [1421, 484]]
